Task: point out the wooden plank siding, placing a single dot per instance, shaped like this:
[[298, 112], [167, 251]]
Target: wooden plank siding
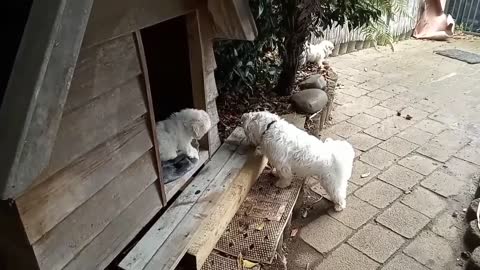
[[37, 89], [56, 248], [101, 68], [113, 18], [114, 238]]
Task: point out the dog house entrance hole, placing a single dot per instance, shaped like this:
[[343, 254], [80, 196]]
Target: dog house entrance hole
[[167, 54]]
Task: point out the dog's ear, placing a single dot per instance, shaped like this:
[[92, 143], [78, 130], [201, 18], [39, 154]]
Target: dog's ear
[[198, 129]]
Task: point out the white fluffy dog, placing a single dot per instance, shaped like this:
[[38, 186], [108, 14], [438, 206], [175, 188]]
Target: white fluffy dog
[[293, 151], [317, 53], [176, 133]]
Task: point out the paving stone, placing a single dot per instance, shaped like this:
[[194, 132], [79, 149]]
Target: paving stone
[[304, 254], [358, 106], [363, 141], [470, 153], [318, 188], [341, 98], [378, 158], [337, 117], [425, 107], [376, 242], [395, 104], [415, 113], [353, 91], [431, 250], [443, 184], [347, 258], [388, 127], [359, 78], [401, 177], [444, 145], [380, 94], [431, 126], [356, 214], [380, 112], [361, 168], [324, 233], [449, 227], [395, 88], [419, 164], [403, 262], [295, 119], [403, 220], [415, 135], [363, 120], [398, 146], [378, 193], [374, 84], [425, 202], [463, 170], [345, 129]]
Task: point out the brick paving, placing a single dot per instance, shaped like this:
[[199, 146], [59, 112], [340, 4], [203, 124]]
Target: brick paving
[[413, 176]]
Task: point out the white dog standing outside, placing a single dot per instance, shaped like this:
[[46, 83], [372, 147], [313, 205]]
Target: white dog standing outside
[[176, 133], [317, 53], [293, 151]]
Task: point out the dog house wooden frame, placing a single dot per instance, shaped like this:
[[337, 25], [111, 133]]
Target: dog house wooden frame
[[80, 174]]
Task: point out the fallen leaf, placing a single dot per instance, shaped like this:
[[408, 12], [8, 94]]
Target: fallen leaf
[[365, 175], [294, 232], [248, 264], [260, 226]]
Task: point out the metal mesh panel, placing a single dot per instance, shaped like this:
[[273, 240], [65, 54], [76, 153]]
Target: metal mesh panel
[[257, 226]]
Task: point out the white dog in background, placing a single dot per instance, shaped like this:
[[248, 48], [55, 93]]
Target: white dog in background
[[293, 151], [176, 133], [317, 53]]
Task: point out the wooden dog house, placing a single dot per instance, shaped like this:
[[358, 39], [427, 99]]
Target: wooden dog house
[[80, 174]]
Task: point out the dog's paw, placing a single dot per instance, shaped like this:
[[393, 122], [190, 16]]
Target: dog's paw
[[282, 183], [193, 155], [338, 207]]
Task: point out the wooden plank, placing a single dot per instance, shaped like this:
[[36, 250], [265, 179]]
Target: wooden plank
[[213, 140], [151, 114], [102, 68], [16, 253], [141, 254], [213, 112], [99, 253], [212, 229], [175, 246], [209, 61], [196, 60], [37, 90], [114, 18], [173, 187], [48, 203], [83, 129], [211, 92], [56, 248], [233, 19]]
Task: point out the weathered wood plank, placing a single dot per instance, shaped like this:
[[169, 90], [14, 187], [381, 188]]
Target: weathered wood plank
[[196, 60], [37, 90], [173, 187], [233, 19], [83, 129], [212, 229], [48, 203], [101, 68], [115, 237], [16, 253], [213, 140], [141, 254], [114, 18], [175, 246], [211, 92], [151, 113], [213, 112], [56, 248], [210, 63]]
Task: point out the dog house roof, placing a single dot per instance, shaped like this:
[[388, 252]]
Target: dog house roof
[[46, 58]]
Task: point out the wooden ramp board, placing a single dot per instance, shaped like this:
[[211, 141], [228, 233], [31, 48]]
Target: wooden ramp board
[[167, 241], [212, 228], [257, 227]]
